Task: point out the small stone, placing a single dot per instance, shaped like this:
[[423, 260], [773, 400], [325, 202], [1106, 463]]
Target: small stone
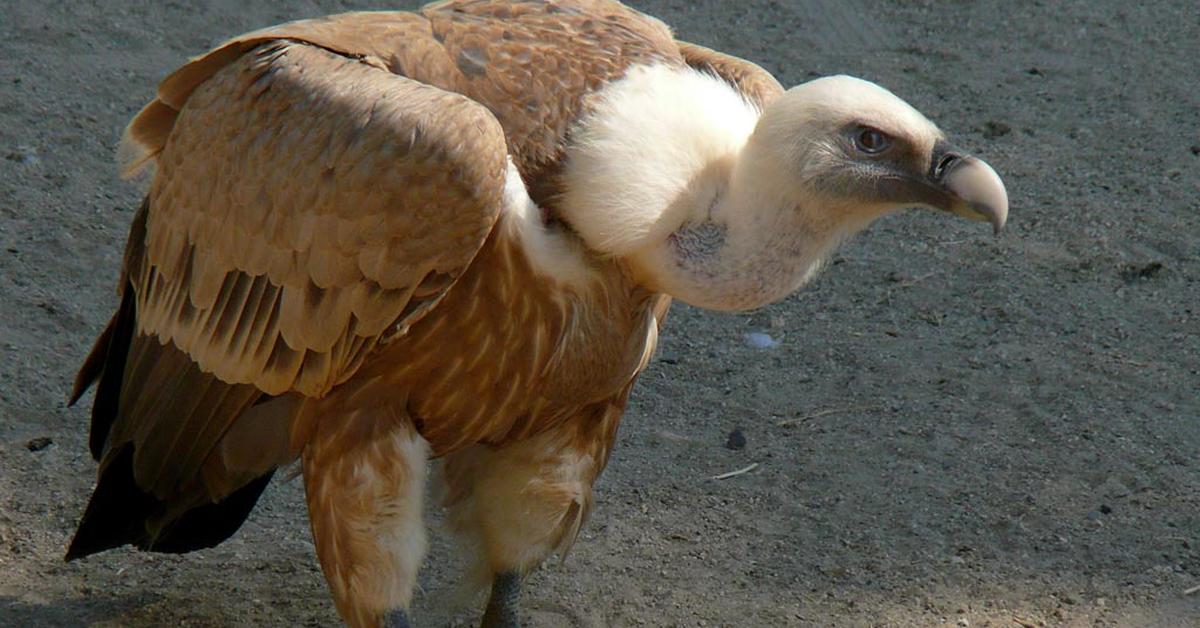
[[993, 129], [23, 155], [736, 440], [39, 443], [1105, 509], [1196, 149], [1135, 272], [760, 340], [1114, 488], [668, 358]]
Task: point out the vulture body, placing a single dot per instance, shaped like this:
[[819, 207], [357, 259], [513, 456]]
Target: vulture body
[[376, 238]]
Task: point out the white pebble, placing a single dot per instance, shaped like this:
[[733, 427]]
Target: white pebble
[[760, 340]]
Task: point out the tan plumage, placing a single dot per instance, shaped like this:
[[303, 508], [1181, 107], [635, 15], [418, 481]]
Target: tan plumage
[[362, 245]]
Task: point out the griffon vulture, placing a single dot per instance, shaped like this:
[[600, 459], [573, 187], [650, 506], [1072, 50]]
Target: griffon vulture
[[374, 239]]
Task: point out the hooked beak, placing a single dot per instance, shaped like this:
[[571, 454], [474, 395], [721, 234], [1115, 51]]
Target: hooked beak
[[975, 191]]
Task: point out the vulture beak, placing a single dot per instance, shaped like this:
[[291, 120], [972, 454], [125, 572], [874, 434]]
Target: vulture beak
[[972, 189]]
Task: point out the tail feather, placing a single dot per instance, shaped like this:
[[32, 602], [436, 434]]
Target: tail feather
[[107, 373], [93, 365], [120, 513], [100, 530]]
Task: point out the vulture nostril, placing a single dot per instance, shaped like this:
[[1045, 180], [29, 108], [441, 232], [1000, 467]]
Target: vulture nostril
[[944, 164]]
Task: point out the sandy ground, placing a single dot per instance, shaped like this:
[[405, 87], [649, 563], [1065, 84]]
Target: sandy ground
[[955, 430]]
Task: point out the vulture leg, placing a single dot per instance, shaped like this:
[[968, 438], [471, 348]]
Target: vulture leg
[[522, 501], [364, 477], [502, 605]]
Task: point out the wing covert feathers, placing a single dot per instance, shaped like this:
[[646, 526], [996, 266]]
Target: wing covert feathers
[[305, 202]]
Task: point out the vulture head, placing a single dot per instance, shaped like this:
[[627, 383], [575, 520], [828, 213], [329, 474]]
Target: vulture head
[[729, 208]]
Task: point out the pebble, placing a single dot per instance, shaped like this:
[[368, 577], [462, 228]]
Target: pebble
[[1134, 272], [760, 340], [993, 129], [23, 155], [39, 443]]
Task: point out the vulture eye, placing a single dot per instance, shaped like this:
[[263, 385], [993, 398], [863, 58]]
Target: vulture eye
[[871, 141]]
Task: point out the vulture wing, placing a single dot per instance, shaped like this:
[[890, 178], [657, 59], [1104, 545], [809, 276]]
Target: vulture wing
[[307, 208], [758, 86]]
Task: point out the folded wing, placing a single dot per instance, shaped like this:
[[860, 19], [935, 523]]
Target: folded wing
[[307, 208]]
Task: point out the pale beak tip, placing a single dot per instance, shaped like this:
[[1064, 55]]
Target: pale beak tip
[[978, 185], [998, 219]]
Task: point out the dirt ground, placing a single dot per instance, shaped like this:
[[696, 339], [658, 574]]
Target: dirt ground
[[955, 429]]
